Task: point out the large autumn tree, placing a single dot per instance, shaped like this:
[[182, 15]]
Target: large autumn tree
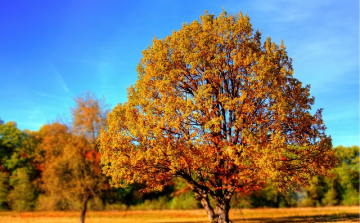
[[217, 107]]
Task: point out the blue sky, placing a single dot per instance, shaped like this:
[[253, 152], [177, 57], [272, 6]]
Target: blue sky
[[52, 51]]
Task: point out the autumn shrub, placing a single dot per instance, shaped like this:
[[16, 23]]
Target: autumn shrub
[[43, 203], [348, 174], [240, 200], [56, 203], [4, 191], [268, 197], [115, 207], [341, 188], [160, 203], [184, 201], [96, 204], [22, 197], [332, 195], [351, 197], [182, 197]]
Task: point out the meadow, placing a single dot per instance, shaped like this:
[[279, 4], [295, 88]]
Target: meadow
[[323, 214]]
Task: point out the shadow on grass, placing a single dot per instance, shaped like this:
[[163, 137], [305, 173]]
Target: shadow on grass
[[312, 218]]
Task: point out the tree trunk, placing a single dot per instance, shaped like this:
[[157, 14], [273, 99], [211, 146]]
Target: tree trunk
[[83, 209], [222, 210], [222, 205], [204, 200]]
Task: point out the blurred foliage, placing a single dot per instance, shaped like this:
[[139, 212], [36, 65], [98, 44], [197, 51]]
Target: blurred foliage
[[4, 191], [22, 196], [30, 169]]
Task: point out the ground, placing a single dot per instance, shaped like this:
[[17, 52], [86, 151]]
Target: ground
[[324, 214]]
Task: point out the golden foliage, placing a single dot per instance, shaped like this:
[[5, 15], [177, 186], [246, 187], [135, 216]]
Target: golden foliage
[[89, 116], [220, 109], [67, 171], [71, 161]]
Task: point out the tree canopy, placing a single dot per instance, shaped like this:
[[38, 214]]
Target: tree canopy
[[71, 154], [219, 108]]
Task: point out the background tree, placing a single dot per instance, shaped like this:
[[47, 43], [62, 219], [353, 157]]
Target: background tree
[[19, 175], [23, 195], [343, 188], [216, 107], [10, 139], [314, 192], [71, 156], [4, 190], [348, 174], [89, 116], [57, 176]]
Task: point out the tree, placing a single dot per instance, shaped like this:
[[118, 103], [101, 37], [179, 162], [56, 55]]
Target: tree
[[23, 195], [89, 116], [315, 192], [10, 141], [71, 157], [4, 190], [57, 177], [216, 107], [17, 167], [347, 174]]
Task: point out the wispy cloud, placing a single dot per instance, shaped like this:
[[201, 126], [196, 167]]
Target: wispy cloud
[[321, 37], [104, 71], [289, 11], [51, 96], [33, 114], [59, 80]]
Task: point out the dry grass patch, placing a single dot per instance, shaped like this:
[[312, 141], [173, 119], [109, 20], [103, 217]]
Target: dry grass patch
[[326, 214]]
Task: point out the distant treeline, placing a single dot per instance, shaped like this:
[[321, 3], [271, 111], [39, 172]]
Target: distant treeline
[[58, 168]]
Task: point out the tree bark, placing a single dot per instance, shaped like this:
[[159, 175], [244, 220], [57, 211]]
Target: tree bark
[[204, 200], [83, 209], [222, 210], [222, 201]]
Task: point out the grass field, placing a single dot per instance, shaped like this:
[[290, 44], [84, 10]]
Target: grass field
[[326, 214]]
